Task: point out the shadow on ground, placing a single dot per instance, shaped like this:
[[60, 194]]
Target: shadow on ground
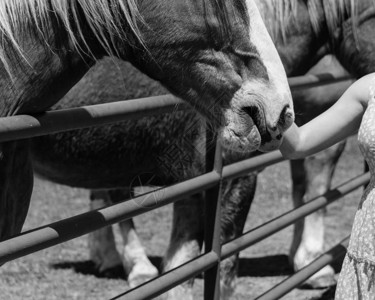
[[276, 265], [329, 294], [88, 268], [267, 266]]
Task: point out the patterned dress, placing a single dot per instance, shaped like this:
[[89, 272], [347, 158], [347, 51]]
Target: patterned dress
[[357, 277]]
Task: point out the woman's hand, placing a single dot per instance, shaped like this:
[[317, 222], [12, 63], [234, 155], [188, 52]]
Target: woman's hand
[[337, 123]]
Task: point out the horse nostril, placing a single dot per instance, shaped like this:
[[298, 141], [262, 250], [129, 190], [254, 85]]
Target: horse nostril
[[250, 110], [254, 116], [283, 116], [250, 115]]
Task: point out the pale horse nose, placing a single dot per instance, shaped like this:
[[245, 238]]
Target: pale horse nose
[[253, 115]]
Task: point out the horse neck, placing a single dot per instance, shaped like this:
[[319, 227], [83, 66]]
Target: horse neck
[[47, 60], [348, 24], [298, 45], [354, 45], [299, 54], [36, 81]]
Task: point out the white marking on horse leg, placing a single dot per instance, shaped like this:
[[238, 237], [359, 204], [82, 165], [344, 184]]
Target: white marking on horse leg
[[312, 240], [308, 242], [135, 260], [102, 244], [176, 256], [185, 243], [311, 247], [228, 282]]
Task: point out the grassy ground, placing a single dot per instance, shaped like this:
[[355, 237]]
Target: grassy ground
[[64, 271]]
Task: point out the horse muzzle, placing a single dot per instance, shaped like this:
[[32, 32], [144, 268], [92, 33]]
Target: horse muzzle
[[248, 129]]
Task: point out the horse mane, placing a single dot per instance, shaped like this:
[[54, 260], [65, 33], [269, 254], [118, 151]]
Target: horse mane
[[223, 14], [285, 11], [281, 11], [335, 13], [105, 19]]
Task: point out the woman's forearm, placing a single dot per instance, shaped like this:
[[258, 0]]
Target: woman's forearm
[[290, 147], [335, 124]]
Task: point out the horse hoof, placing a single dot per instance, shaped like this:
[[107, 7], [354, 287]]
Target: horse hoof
[[141, 273], [325, 278]]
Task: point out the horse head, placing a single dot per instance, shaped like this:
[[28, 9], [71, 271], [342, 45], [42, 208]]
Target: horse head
[[219, 58], [216, 55]]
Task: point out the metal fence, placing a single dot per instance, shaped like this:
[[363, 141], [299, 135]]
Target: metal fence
[[26, 126]]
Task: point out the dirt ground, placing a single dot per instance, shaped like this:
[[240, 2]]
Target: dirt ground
[[65, 272]]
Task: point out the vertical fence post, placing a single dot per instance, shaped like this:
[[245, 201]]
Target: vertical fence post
[[212, 217]]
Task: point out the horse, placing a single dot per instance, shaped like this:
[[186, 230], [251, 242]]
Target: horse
[[303, 31], [47, 46], [217, 56]]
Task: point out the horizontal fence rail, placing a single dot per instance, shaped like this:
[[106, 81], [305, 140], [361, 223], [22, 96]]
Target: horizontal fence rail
[[302, 275], [256, 235], [70, 228], [27, 126], [314, 80], [252, 164], [62, 231], [164, 282], [259, 233]]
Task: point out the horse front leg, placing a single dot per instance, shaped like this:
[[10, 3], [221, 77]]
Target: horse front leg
[[103, 249], [136, 263], [102, 245], [238, 195], [16, 184], [185, 242], [312, 177]]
